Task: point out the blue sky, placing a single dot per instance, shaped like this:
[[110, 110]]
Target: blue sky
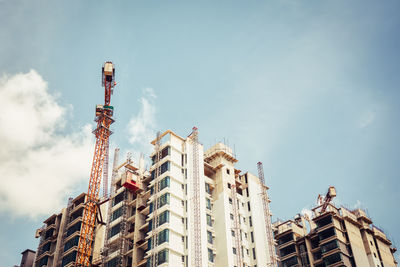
[[310, 88]]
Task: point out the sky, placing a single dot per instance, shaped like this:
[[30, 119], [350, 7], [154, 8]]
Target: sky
[[309, 88]]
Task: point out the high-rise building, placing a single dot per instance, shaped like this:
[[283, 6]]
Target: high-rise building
[[334, 237], [60, 233], [193, 208], [28, 257]]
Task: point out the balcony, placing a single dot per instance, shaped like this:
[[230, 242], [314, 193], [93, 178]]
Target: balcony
[[287, 251], [329, 247], [285, 240], [327, 234], [75, 220]]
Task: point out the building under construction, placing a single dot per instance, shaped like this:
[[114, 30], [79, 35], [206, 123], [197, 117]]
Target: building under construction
[[60, 234], [332, 237], [192, 208]]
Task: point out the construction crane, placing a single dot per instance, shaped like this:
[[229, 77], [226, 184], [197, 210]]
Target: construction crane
[[267, 217], [102, 132], [327, 199]]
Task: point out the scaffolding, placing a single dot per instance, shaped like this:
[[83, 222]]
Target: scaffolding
[[105, 170], [106, 249], [267, 217], [157, 173], [196, 221], [236, 227]]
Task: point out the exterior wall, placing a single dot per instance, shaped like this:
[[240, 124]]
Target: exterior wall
[[385, 254], [370, 248], [357, 245], [28, 258], [355, 240], [64, 240], [258, 221]]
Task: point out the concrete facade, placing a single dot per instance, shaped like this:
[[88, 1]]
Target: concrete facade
[[60, 233], [146, 235], [335, 237], [28, 257]]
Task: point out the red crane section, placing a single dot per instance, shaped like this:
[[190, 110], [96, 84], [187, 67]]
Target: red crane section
[[103, 119]]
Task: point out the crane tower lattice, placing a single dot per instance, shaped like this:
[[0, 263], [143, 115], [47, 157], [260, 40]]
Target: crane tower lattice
[[102, 132]]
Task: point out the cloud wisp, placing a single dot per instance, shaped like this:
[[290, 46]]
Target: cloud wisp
[[142, 126], [36, 158]]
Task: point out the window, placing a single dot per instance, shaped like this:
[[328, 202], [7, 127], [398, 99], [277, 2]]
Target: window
[[209, 220], [165, 152], [208, 188], [118, 199], [231, 216], [67, 259], [74, 228], [209, 237], [208, 203], [233, 233], [151, 207], [114, 230], [165, 182], [248, 206], [228, 172], [162, 256], [164, 199], [329, 246], [163, 236], [163, 218], [252, 237], [234, 250], [250, 221], [247, 191], [245, 178], [230, 200], [229, 185], [116, 214], [254, 253], [70, 243], [44, 260], [163, 168], [331, 259], [210, 255]]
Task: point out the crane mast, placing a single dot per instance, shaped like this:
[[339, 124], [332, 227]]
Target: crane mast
[[102, 132], [267, 216]]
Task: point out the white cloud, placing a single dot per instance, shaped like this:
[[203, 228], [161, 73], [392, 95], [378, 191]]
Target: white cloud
[[357, 205], [39, 165], [306, 211], [142, 127]]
